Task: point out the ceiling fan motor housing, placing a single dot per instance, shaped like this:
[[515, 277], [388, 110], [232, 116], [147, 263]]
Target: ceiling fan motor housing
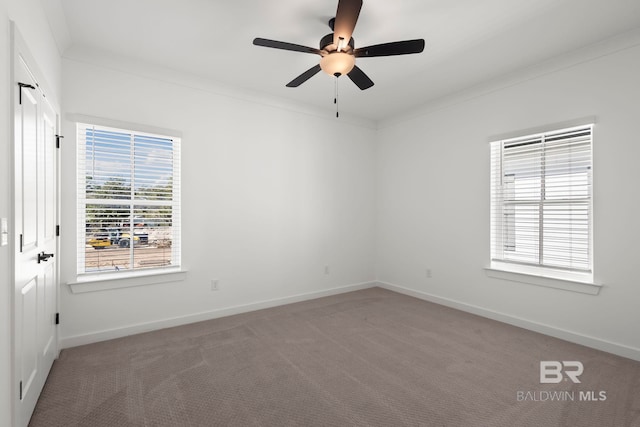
[[327, 42]]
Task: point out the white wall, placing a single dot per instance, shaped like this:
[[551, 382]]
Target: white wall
[[287, 191], [270, 196], [31, 21], [433, 200]]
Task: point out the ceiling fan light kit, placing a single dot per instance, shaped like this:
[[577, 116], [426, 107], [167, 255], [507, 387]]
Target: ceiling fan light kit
[[337, 63], [338, 52]]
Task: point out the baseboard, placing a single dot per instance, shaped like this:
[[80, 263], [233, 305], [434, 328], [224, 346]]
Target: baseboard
[[596, 343], [599, 344], [74, 341]]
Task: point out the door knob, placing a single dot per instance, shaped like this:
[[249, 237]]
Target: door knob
[[44, 257]]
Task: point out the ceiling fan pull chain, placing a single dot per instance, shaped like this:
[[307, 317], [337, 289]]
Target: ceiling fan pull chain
[[335, 99]]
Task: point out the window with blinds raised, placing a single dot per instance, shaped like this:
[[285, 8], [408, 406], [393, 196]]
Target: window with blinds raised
[[128, 200], [541, 200]]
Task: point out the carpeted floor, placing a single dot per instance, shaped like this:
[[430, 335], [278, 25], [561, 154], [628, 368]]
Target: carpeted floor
[[366, 358]]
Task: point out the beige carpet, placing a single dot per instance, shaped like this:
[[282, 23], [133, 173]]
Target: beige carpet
[[366, 358]]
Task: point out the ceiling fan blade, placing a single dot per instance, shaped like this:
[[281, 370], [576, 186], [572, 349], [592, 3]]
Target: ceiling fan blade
[[304, 76], [346, 18], [360, 78], [389, 49], [284, 46]]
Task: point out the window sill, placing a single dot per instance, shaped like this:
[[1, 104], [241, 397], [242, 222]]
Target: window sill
[[546, 278], [103, 282]]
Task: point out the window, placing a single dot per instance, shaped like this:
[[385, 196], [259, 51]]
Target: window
[[541, 200], [128, 200]]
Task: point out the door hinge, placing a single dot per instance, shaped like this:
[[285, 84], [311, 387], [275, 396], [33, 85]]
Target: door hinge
[[21, 242], [28, 86], [57, 318], [57, 230], [20, 390], [58, 138]]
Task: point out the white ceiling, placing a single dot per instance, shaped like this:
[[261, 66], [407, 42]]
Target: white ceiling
[[467, 41]]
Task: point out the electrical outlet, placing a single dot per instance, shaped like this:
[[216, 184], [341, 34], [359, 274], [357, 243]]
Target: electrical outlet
[[428, 273], [215, 285], [326, 270]]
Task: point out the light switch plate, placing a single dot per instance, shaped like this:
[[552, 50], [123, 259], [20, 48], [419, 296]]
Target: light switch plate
[[4, 232]]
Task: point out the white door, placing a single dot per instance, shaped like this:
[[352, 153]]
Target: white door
[[36, 259]]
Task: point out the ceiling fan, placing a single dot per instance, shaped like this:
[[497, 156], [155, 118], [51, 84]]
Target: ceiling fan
[[337, 50]]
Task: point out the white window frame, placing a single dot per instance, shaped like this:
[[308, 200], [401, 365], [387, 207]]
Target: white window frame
[[89, 281], [579, 280]]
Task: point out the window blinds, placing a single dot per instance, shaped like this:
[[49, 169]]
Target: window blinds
[[541, 199], [128, 200]]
